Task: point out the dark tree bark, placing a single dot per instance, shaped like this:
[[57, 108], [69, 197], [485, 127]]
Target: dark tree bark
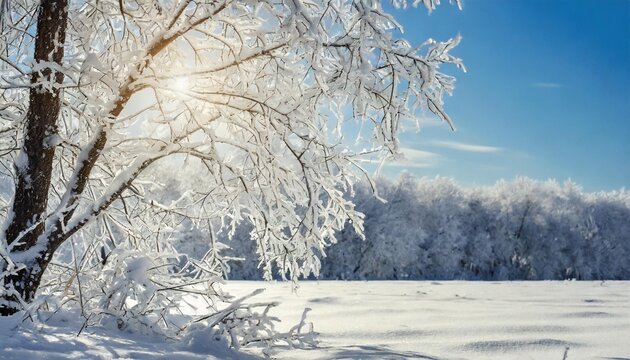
[[35, 162]]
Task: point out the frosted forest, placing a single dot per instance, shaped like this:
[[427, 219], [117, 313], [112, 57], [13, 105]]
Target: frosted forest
[[223, 179], [432, 228]]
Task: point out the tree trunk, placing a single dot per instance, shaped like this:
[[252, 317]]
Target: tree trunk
[[35, 162]]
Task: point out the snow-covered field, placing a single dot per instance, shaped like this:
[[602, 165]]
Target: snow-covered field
[[395, 320], [462, 320]]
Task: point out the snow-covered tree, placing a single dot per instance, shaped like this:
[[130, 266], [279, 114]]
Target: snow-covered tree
[[252, 95], [514, 230]]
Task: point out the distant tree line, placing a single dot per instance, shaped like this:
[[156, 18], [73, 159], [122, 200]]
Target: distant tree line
[[435, 229]]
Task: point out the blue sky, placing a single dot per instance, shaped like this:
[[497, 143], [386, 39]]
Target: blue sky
[[546, 94]]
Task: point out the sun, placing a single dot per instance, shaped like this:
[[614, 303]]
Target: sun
[[180, 85]]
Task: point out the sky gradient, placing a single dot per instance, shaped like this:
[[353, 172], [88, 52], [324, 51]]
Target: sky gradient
[[546, 93]]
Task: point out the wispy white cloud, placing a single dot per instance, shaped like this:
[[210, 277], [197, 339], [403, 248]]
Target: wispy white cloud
[[418, 155], [399, 163], [409, 164], [546, 85], [411, 158], [467, 147]]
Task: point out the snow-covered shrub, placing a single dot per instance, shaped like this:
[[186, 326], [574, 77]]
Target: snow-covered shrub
[[131, 273]]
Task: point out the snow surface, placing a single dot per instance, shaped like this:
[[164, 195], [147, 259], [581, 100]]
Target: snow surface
[[391, 320]]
